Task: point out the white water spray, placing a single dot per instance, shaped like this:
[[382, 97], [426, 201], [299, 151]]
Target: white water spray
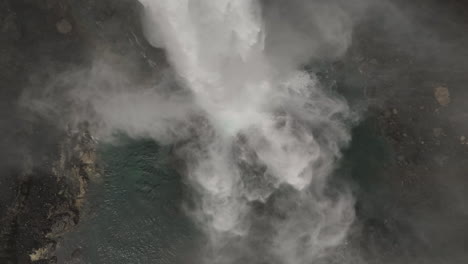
[[271, 127]]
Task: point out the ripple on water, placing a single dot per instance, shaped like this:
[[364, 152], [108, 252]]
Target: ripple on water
[[135, 214]]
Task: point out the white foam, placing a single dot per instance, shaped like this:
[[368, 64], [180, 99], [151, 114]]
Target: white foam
[[218, 49]]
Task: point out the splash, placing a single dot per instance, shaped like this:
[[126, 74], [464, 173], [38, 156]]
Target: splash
[[272, 135]]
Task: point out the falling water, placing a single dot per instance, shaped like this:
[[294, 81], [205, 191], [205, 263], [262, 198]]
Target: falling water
[[271, 134]]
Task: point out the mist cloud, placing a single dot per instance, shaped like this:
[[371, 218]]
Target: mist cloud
[[261, 138], [260, 130], [272, 125]]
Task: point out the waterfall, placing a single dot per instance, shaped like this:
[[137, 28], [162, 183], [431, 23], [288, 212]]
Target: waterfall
[[273, 134]]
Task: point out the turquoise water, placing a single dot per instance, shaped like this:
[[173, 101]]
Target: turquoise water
[[135, 214]]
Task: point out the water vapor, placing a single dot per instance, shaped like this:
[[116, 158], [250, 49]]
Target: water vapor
[[272, 130], [261, 136]]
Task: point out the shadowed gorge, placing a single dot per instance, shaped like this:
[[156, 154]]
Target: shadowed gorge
[[233, 131]]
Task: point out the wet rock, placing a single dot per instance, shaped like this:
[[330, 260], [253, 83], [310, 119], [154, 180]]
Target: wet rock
[[88, 157], [437, 131], [387, 114], [47, 203], [63, 26], [10, 28], [401, 158], [62, 224], [42, 253], [48, 170], [371, 92], [442, 95], [441, 160]]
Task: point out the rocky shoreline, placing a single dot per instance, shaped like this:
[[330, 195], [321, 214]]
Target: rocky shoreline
[[47, 202], [412, 93], [48, 164]]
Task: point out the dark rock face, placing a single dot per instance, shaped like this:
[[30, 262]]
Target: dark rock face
[[410, 200], [407, 160], [45, 202], [46, 167], [33, 197]]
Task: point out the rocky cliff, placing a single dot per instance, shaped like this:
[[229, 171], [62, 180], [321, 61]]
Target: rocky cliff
[[407, 160]]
